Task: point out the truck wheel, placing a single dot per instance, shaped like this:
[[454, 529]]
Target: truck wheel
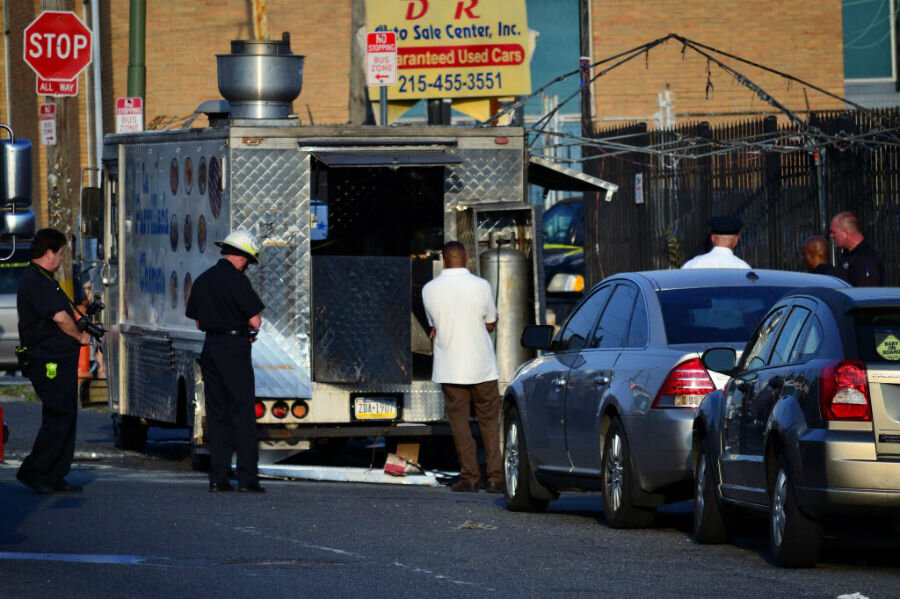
[[618, 477], [795, 539], [711, 526], [516, 469], [199, 459], [130, 433]]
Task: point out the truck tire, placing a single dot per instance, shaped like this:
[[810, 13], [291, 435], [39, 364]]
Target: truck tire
[[129, 432]]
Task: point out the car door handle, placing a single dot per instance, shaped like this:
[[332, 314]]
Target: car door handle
[[601, 381], [559, 382]]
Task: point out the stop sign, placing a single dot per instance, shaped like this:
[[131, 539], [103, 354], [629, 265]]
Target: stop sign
[[57, 45]]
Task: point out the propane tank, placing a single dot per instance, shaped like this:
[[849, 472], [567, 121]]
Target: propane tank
[[506, 270]]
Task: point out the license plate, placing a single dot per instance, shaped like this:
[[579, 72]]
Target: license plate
[[375, 408]]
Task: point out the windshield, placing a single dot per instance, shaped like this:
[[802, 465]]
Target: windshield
[[558, 223], [715, 314]]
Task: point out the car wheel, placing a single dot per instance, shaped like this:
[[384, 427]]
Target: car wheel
[[794, 538], [516, 469], [710, 524], [617, 480], [129, 433]]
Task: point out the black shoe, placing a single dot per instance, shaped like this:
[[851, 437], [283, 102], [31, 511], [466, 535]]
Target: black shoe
[[254, 488], [220, 487], [36, 486], [65, 486]]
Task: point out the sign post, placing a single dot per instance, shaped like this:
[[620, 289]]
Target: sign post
[[57, 48], [381, 66]]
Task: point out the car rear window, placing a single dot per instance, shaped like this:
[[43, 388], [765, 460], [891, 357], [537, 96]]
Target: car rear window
[[11, 270], [715, 314], [878, 335]]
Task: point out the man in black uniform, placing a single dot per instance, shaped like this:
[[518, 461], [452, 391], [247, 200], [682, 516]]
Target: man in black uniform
[[815, 256], [859, 263], [47, 329], [226, 308]]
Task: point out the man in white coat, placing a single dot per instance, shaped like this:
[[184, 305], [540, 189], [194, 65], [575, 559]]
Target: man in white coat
[[462, 313], [724, 235]]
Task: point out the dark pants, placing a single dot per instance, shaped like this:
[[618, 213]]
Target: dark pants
[[485, 398], [230, 416], [51, 456]]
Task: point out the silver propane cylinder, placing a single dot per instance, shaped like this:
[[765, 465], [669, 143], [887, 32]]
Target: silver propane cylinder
[[506, 270]]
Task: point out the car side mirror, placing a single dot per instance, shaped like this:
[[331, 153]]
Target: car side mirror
[[91, 212], [720, 359], [537, 336]]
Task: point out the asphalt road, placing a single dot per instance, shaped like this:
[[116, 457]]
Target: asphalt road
[[145, 526]]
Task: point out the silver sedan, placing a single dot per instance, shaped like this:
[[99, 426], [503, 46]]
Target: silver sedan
[[610, 405]]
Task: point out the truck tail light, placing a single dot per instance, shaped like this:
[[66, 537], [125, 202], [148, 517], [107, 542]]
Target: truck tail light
[[844, 391], [300, 409], [260, 409], [685, 386], [280, 409]]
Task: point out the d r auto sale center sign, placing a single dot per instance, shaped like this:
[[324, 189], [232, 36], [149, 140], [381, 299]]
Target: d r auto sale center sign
[[456, 48]]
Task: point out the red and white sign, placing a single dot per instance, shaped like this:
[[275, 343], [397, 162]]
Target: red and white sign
[[57, 45], [129, 115], [48, 124], [381, 58], [58, 89]]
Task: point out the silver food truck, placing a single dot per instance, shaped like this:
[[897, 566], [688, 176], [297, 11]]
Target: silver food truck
[[352, 220]]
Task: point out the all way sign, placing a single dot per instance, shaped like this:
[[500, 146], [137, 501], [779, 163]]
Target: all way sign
[[381, 58]]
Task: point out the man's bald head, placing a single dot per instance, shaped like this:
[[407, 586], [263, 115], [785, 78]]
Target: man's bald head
[[815, 252], [454, 254]]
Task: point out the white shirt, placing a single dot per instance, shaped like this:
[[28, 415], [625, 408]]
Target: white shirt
[[718, 257], [458, 305]]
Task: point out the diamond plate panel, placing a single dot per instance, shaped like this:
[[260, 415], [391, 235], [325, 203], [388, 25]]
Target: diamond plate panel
[[485, 175], [363, 304], [151, 377], [270, 196]]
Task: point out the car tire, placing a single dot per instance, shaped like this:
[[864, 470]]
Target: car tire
[[618, 478], [129, 433], [517, 469], [711, 526], [794, 538]]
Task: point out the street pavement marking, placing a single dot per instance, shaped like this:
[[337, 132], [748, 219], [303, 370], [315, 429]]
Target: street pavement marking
[[80, 558]]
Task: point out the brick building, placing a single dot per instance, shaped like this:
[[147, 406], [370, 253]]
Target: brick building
[[183, 36]]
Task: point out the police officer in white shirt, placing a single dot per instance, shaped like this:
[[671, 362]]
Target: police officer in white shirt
[[724, 234], [461, 312]]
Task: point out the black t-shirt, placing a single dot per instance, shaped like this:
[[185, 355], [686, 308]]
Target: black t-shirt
[[827, 269], [222, 299], [862, 266], [38, 299]]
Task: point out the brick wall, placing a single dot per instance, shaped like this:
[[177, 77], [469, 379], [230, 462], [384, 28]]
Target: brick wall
[[800, 38], [183, 38]]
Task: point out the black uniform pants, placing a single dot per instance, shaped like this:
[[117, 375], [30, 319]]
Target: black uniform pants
[[55, 381], [230, 416]]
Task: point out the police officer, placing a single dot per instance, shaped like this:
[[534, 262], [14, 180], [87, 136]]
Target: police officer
[[51, 341], [724, 234], [227, 309]]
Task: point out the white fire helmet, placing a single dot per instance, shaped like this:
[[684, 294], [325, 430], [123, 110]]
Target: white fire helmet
[[244, 241]]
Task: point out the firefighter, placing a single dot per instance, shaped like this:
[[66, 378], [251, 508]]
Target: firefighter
[[50, 342], [225, 306]]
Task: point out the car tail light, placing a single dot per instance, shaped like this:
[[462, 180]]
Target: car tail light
[[260, 409], [844, 391], [685, 386], [280, 409], [300, 409]]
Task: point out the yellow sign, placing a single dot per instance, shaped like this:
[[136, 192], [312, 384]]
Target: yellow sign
[[455, 48], [888, 346]]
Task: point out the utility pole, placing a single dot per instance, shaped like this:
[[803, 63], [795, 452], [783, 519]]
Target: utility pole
[[63, 168], [584, 19]]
